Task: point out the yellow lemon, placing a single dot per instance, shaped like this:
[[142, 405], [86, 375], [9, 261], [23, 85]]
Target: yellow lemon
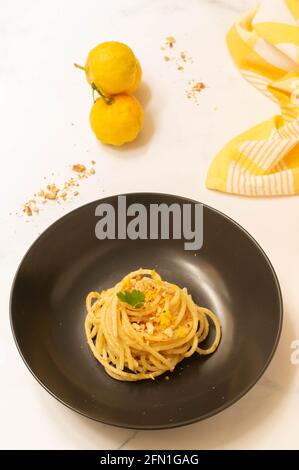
[[137, 81], [118, 121], [112, 67]]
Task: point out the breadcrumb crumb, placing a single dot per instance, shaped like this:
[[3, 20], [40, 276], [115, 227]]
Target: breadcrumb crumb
[[182, 60], [170, 41], [53, 193], [79, 168]]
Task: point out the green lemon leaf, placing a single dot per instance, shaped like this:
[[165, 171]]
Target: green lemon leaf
[[135, 298]]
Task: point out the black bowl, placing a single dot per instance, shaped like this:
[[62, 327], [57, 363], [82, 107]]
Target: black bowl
[[230, 274]]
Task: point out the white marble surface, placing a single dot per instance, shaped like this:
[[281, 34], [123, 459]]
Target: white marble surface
[[41, 95]]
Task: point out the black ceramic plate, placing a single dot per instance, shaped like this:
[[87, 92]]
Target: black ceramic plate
[[230, 275]]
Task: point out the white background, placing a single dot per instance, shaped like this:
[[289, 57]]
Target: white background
[[44, 107]]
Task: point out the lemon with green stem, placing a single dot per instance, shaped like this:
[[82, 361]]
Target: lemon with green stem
[[113, 68], [116, 120]]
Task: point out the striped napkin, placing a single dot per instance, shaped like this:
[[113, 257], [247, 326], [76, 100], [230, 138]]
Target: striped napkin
[[264, 161]]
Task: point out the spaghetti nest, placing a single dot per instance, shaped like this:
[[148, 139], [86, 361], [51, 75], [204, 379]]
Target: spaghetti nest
[[144, 340]]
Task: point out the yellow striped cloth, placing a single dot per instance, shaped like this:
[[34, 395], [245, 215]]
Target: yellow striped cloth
[[264, 161]]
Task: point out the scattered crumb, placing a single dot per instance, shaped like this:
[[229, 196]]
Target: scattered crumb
[[170, 41], [30, 208], [194, 89], [53, 193], [181, 60], [167, 377], [27, 209], [198, 86], [79, 168], [93, 162]]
